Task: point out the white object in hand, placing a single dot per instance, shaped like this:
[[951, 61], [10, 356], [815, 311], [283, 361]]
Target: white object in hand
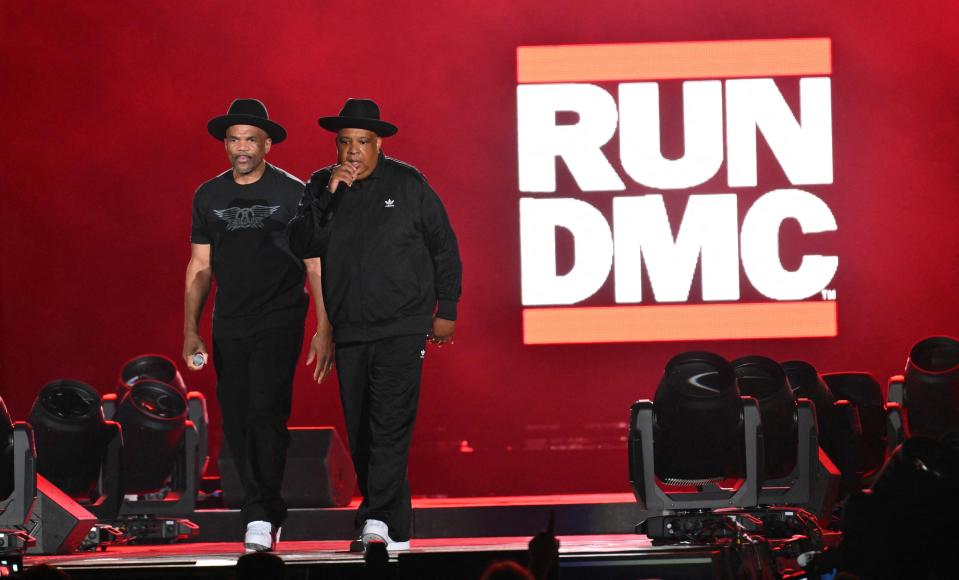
[[199, 359]]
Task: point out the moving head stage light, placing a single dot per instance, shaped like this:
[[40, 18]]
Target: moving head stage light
[[165, 448], [149, 366], [929, 390], [153, 416], [764, 379], [840, 431], [700, 446], [18, 484], [865, 393], [160, 462], [796, 472], [160, 451], [157, 367], [695, 436], [77, 449]]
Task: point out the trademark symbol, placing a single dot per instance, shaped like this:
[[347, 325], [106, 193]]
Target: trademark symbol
[[829, 294]]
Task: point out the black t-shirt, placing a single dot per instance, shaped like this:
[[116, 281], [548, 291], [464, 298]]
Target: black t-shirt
[[259, 282]]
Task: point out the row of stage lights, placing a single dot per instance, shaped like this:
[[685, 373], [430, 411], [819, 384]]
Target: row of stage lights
[[791, 455], [126, 459], [763, 439]]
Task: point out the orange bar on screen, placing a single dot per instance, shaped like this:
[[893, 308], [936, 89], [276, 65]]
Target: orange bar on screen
[[575, 325], [674, 60]]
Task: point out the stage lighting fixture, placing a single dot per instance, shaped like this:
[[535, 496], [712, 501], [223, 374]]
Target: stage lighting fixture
[[160, 451], [697, 434], [153, 417], [158, 367], [149, 366], [838, 423], [929, 390], [18, 481], [77, 449], [7, 480], [765, 380], [807, 384], [903, 526], [796, 472], [863, 391]]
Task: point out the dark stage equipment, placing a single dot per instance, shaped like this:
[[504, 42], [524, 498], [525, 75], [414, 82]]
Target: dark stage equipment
[[156, 530], [708, 426], [58, 523], [903, 526], [840, 431], [865, 393], [102, 536], [796, 472], [161, 368], [18, 490], [160, 452], [18, 475], [765, 380], [78, 464], [697, 435], [929, 390], [77, 449], [149, 366], [153, 416], [318, 474]]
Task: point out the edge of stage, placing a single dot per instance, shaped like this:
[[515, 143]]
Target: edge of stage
[[453, 538]]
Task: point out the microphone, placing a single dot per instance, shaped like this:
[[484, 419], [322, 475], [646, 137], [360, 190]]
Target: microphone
[[334, 203], [341, 188]]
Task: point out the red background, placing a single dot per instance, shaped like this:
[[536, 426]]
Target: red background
[[104, 141]]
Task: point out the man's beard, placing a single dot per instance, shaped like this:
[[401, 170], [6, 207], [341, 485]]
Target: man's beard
[[251, 167]]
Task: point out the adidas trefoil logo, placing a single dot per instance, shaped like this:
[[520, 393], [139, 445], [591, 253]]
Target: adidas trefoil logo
[[390, 202]]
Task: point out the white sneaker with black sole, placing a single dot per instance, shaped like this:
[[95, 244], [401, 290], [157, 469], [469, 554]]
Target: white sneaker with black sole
[[261, 536], [377, 531]]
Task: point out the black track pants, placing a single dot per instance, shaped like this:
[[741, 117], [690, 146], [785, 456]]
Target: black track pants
[[379, 389], [255, 387]]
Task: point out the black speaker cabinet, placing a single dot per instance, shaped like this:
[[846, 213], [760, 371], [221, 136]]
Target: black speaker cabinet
[[58, 522], [318, 474]]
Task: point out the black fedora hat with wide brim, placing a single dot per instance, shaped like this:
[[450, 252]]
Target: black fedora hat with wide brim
[[359, 114], [246, 112]]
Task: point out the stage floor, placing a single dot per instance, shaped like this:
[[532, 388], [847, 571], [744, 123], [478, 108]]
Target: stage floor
[[472, 517], [452, 538], [427, 558]]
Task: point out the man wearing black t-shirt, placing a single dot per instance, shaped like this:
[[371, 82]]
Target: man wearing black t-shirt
[[391, 278], [239, 219]]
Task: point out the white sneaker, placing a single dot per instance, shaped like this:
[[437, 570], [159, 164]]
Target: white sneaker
[[261, 536], [377, 531]]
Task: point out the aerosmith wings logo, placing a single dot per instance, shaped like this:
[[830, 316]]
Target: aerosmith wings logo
[[245, 217]]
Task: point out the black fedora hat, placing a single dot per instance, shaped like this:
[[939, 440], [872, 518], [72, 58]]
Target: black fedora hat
[[359, 114], [246, 112]]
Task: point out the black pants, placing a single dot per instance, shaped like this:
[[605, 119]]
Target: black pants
[[255, 388], [380, 388]]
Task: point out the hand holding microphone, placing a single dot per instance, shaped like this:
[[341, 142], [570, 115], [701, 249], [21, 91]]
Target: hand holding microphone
[[194, 351], [342, 177]]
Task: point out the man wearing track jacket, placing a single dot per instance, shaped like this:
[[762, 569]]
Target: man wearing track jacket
[[377, 238]]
